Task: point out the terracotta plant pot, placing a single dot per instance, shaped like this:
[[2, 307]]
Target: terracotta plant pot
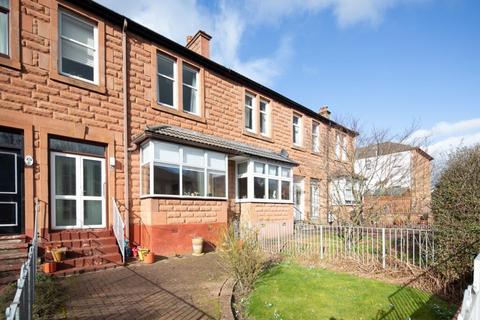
[[197, 246], [149, 258], [49, 267]]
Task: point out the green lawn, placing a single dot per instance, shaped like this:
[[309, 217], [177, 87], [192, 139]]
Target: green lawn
[[294, 292]]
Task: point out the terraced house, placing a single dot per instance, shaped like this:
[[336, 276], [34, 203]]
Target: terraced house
[[99, 113]]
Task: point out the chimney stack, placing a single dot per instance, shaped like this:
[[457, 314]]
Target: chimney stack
[[324, 112], [200, 43]]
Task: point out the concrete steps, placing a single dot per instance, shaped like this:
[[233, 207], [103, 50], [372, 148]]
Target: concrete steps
[[13, 253]]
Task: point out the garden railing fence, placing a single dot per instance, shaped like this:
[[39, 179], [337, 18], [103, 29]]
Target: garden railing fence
[[471, 298], [388, 247], [22, 305], [119, 229]]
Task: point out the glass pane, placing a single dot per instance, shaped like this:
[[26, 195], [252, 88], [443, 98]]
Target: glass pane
[[65, 212], [272, 189], [146, 178], [77, 60], [263, 106], [4, 33], [216, 161], [165, 91], [263, 123], [7, 172], [166, 152], [216, 185], [242, 188], [193, 183], [259, 188], [92, 178], [189, 77], [272, 170], [194, 157], [8, 213], [295, 134], [166, 180], [248, 101], [242, 167], [295, 119], [248, 118], [5, 3], [146, 153], [259, 167], [286, 172], [285, 190], [92, 212], [190, 100], [11, 139], [76, 147], [77, 30], [165, 66], [65, 176]]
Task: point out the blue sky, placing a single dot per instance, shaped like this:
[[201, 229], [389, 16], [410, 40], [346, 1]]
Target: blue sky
[[386, 63]]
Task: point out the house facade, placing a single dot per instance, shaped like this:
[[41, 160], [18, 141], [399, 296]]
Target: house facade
[[99, 112]]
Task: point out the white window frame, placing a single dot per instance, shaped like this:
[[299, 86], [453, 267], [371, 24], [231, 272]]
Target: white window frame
[[95, 49], [6, 11], [250, 175], [197, 79], [266, 114], [252, 108], [174, 79], [315, 137], [180, 164], [299, 125], [341, 147]]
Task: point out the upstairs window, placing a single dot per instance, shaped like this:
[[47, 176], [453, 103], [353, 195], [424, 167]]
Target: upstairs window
[[166, 80], [341, 147], [249, 113], [78, 47], [296, 129], [264, 118], [315, 137], [4, 29], [190, 90]]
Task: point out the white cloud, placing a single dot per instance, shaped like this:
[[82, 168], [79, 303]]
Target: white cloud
[[446, 136], [228, 21]]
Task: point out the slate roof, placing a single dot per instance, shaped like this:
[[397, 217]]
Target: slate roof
[[384, 148], [198, 139]]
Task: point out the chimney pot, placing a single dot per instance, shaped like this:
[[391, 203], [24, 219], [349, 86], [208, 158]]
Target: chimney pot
[[324, 112], [200, 43]]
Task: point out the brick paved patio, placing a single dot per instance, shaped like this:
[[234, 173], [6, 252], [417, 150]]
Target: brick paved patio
[[175, 288]]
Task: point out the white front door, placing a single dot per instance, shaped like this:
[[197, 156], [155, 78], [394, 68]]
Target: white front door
[[77, 186], [298, 198]]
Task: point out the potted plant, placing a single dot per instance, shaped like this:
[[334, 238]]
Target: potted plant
[[49, 267], [149, 258], [197, 245], [58, 254]]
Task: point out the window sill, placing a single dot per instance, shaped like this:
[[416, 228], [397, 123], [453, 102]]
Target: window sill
[[153, 196], [99, 88], [176, 112], [263, 201], [257, 136], [299, 148], [10, 63], [318, 154]]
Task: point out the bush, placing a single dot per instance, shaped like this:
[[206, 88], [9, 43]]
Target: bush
[[242, 258], [456, 215]]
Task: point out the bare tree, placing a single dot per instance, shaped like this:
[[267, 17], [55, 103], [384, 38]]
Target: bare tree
[[372, 174]]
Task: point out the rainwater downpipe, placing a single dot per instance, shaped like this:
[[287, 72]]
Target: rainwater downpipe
[[125, 132]]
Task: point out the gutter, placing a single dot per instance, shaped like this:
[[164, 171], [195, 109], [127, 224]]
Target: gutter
[[125, 132]]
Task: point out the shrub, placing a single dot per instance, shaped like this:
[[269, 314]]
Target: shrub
[[242, 258], [456, 215]]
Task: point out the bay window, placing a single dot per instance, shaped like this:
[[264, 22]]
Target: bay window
[[78, 47], [174, 170], [259, 181]]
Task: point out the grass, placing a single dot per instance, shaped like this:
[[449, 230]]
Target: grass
[[290, 291]]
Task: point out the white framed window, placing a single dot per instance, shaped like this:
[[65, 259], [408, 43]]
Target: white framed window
[[172, 170], [190, 89], [166, 80], [315, 137], [249, 112], [260, 181], [264, 115], [342, 191], [341, 147], [4, 29], [297, 130], [78, 47]]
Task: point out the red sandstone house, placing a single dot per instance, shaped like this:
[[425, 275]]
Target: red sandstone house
[[98, 111]]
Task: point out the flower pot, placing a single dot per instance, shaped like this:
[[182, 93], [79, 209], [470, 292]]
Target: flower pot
[[142, 253], [49, 267], [59, 254], [149, 258], [197, 246]]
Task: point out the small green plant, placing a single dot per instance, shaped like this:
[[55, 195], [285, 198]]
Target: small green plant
[[242, 258]]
